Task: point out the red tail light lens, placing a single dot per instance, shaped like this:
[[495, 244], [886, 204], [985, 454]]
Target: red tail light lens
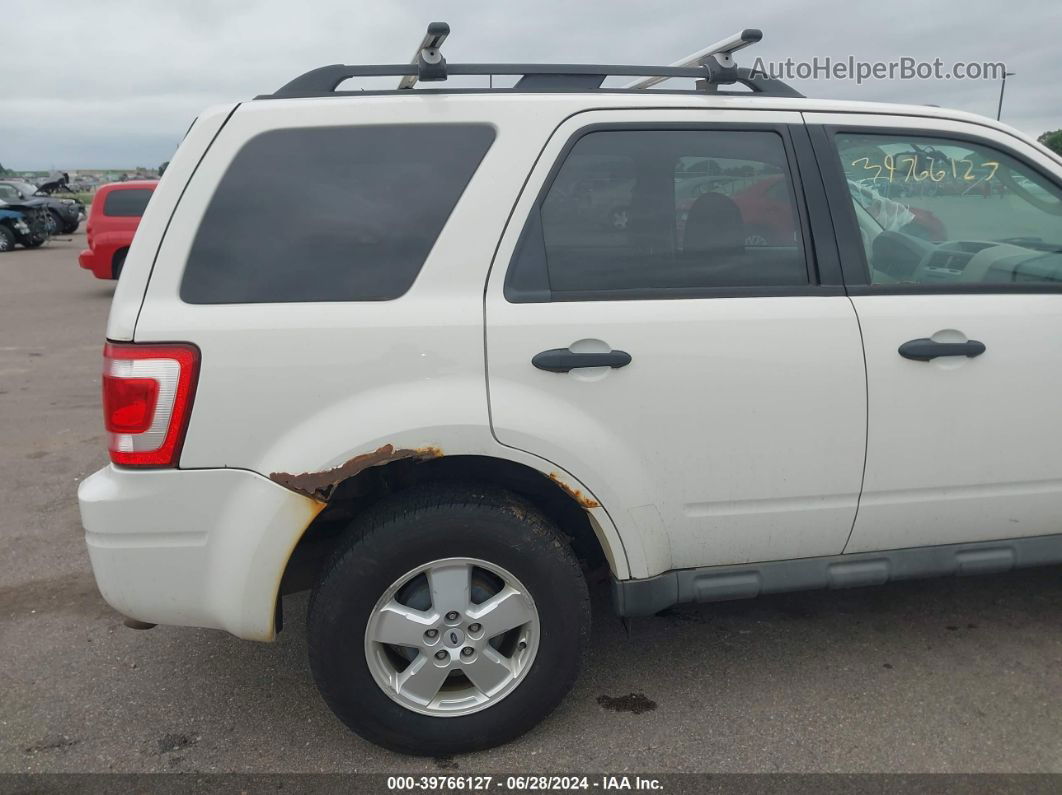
[[147, 401], [129, 403]]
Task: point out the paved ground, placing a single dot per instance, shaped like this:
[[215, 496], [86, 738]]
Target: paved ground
[[952, 675]]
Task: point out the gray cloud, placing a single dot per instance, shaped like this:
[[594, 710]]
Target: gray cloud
[[115, 83]]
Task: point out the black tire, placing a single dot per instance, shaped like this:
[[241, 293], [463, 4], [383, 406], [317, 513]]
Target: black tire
[[34, 242], [58, 224], [118, 262], [416, 527], [7, 239], [72, 227]]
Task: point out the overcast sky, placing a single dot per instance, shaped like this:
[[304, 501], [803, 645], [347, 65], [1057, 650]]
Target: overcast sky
[[115, 83]]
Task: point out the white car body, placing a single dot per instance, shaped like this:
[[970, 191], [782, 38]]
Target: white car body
[[737, 437]]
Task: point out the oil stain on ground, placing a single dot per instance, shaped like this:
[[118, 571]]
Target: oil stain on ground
[[632, 702], [176, 742]]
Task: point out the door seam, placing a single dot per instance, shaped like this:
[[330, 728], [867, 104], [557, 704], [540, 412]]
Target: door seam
[[866, 425]]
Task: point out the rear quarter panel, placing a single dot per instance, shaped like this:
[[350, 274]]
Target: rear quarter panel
[[304, 387]]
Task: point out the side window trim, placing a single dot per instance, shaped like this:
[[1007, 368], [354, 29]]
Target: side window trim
[[817, 240], [854, 265], [823, 234]]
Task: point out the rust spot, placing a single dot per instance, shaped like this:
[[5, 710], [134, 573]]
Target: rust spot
[[575, 494], [319, 485]]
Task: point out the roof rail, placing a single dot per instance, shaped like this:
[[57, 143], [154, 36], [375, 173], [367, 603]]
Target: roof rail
[[711, 67]]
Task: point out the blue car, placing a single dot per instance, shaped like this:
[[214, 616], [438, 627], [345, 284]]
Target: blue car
[[13, 229]]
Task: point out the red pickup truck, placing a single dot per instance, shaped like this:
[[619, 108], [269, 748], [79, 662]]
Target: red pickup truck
[[114, 217]]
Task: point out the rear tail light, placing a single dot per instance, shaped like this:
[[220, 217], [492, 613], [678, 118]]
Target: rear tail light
[[147, 401]]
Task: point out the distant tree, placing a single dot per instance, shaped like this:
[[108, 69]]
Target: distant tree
[[163, 167], [5, 172], [1052, 139]]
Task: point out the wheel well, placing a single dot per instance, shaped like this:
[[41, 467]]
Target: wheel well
[[558, 502], [118, 261]]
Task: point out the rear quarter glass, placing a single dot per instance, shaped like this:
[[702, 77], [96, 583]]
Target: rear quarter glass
[[331, 213], [126, 202]]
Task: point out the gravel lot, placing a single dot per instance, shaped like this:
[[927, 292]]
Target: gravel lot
[[950, 675]]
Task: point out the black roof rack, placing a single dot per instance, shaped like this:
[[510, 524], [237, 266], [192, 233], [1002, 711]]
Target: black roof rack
[[712, 67]]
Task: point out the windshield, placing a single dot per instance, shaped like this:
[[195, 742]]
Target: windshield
[[23, 187]]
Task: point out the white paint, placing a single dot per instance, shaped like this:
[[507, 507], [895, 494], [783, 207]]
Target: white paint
[[199, 547], [725, 400], [736, 434]]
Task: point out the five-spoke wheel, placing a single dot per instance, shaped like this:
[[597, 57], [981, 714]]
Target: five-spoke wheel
[[452, 636], [451, 618]]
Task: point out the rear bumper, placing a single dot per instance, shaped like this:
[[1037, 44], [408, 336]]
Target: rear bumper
[[88, 260], [200, 547], [99, 257]]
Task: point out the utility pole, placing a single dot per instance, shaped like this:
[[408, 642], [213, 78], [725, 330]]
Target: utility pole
[[1002, 88]]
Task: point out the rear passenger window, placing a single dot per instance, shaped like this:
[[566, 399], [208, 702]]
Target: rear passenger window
[[128, 203], [330, 214], [641, 213]]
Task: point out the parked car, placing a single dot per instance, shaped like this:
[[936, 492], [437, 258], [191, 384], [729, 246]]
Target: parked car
[[113, 219], [64, 214], [365, 343], [13, 229], [34, 213]]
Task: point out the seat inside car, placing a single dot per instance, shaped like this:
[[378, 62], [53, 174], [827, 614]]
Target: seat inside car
[[714, 227]]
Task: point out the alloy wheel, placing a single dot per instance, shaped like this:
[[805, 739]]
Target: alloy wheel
[[452, 637]]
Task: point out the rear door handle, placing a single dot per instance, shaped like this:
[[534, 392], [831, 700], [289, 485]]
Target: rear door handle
[[925, 350], [561, 360]]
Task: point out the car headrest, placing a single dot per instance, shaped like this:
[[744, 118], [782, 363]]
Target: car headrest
[[714, 224]]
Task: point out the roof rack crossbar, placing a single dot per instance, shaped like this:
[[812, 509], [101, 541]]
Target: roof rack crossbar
[[717, 58], [429, 60]]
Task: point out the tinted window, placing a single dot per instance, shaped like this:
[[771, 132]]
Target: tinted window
[[126, 203], [936, 211], [330, 214], [657, 210]]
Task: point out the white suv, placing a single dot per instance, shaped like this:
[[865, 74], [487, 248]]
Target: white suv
[[434, 352]]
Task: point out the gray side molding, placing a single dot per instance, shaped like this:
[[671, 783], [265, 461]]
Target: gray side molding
[[721, 583]]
